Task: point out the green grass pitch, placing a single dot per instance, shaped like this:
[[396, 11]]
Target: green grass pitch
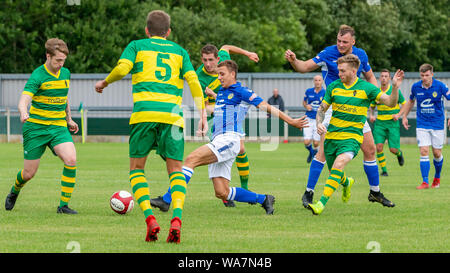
[[418, 223]]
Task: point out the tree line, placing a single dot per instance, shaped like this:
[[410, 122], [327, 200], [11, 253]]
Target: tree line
[[394, 33]]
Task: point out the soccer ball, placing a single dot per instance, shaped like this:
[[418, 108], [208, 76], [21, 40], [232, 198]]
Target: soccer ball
[[121, 202]]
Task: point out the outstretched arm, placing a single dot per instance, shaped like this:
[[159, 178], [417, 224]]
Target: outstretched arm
[[121, 70], [273, 111], [237, 50], [298, 65]]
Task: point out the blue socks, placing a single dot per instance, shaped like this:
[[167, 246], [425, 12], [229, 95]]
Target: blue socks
[[188, 172], [314, 173], [373, 176], [243, 195], [438, 162], [425, 168]]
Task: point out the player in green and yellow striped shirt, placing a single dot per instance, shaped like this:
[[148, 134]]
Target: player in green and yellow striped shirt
[[386, 124], [350, 98], [47, 124], [158, 68]]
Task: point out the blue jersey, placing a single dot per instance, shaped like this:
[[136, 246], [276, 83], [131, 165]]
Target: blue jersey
[[231, 107], [314, 99], [430, 104], [327, 59]]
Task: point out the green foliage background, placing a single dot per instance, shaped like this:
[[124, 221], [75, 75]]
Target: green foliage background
[[395, 34]]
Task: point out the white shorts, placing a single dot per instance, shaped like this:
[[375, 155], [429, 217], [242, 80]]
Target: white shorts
[[226, 147], [311, 131], [427, 137], [327, 118]]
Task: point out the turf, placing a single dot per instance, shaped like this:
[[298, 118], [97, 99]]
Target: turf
[[418, 223]]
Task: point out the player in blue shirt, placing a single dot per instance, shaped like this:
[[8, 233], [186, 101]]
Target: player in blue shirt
[[311, 101], [429, 94], [232, 103], [327, 59]]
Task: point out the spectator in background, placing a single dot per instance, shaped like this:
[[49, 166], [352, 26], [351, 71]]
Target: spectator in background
[[277, 100]]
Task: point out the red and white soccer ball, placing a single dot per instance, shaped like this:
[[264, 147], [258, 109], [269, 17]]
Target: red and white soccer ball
[[121, 202]]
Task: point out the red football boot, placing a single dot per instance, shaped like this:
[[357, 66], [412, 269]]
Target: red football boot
[[436, 183], [152, 229], [174, 231], [422, 186]]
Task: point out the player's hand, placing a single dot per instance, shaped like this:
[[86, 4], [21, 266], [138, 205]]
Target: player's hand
[[321, 129], [202, 127], [73, 126], [308, 107], [448, 125], [405, 123], [398, 78], [100, 85], [290, 56], [300, 123], [253, 56], [24, 117], [209, 92], [372, 118], [395, 117]]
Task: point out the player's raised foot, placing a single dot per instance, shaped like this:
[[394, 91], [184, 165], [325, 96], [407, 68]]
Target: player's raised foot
[[384, 173], [307, 198], [316, 208], [160, 203], [401, 160], [436, 183], [65, 210], [347, 190], [152, 229], [268, 204], [229, 203], [379, 197], [10, 200], [423, 186], [174, 231]]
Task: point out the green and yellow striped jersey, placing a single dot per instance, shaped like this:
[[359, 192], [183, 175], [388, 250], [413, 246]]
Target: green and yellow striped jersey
[[350, 105], [211, 80], [385, 112], [49, 96], [158, 68]]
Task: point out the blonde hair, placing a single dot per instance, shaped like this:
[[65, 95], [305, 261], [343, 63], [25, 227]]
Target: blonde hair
[[54, 44], [344, 29], [351, 59]]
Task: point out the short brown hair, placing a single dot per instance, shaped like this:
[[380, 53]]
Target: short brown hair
[[385, 70], [344, 29], [426, 67], [54, 44], [158, 23], [351, 59], [231, 65], [209, 48]]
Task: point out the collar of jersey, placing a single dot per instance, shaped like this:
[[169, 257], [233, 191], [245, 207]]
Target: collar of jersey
[[351, 85], [421, 84], [384, 91], [207, 73], [158, 37], [48, 71]]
